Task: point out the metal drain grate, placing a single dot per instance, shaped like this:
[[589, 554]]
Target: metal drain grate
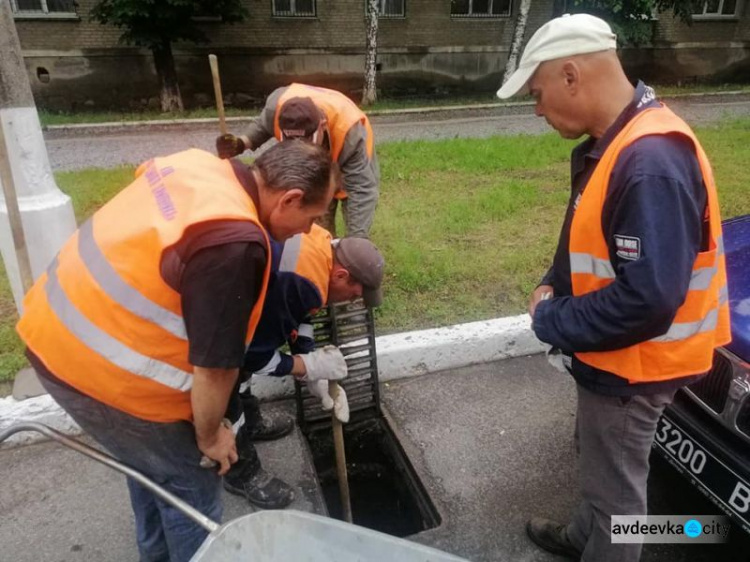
[[350, 327]]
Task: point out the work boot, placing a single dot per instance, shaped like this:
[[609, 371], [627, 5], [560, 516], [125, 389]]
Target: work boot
[[552, 537], [264, 426], [247, 478], [261, 489]]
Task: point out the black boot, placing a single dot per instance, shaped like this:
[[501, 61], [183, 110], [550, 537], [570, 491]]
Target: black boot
[[248, 479], [264, 426], [552, 537]]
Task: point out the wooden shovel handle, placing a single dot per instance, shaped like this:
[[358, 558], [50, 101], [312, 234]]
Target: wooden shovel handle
[[338, 443], [214, 63]]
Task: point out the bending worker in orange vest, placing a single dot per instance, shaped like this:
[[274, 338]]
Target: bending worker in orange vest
[[328, 118], [636, 297], [310, 270], [139, 326]]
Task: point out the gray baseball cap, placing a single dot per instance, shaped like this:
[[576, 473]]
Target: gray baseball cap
[[365, 263]]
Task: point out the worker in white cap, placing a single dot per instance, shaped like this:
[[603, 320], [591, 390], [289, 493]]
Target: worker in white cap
[[636, 295]]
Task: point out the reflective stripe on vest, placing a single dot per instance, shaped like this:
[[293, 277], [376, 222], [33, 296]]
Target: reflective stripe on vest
[[107, 346], [700, 279], [684, 330], [702, 321], [290, 254], [723, 295], [585, 263], [310, 256], [102, 318], [122, 293]]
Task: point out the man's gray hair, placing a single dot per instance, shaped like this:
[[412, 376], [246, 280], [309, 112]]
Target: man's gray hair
[[296, 164]]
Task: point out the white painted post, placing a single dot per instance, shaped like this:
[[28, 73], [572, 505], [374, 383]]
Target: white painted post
[[46, 213]]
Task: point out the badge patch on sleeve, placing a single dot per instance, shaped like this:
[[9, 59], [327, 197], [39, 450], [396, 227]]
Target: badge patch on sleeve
[[628, 247]]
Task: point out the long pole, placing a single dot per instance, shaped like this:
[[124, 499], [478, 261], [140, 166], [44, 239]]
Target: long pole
[[338, 444], [214, 63], [14, 215]]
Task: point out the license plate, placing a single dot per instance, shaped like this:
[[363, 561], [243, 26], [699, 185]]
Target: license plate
[[714, 478]]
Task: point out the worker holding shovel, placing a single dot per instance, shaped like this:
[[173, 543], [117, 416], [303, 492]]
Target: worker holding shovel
[[330, 119], [311, 270], [139, 326]]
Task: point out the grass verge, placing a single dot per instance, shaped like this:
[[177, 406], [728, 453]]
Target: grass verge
[[467, 226]]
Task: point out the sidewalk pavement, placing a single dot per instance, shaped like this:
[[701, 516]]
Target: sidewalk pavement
[[492, 444]]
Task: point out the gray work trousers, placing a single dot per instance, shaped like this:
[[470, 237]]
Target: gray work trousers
[[613, 438]]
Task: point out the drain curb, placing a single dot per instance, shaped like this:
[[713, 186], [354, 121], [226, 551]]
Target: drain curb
[[407, 354]]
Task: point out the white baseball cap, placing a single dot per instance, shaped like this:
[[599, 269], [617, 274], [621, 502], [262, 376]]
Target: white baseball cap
[[565, 36]]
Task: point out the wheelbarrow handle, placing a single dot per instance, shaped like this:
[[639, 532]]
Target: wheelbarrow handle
[[110, 461]]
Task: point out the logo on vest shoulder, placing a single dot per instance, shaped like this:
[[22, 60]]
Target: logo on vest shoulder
[[628, 247], [648, 96]]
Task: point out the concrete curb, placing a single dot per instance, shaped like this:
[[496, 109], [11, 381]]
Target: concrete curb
[[401, 355], [115, 127]]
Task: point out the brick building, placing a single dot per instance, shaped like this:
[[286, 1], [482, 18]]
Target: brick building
[[424, 46]]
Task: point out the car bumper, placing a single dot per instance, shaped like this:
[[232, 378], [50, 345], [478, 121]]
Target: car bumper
[[715, 461]]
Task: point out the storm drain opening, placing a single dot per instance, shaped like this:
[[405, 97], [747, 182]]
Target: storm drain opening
[[385, 490], [386, 494]]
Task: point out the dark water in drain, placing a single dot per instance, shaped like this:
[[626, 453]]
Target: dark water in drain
[[380, 495]]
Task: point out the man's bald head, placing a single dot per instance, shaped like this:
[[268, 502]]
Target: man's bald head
[[581, 94]]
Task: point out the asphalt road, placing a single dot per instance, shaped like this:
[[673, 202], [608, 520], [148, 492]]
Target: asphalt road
[[491, 444], [110, 150]]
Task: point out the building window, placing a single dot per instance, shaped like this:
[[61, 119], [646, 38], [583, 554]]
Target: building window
[[294, 8], [44, 8], [390, 8], [717, 9], [480, 8]]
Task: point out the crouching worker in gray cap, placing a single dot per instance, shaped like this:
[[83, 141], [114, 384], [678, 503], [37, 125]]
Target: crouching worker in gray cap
[[624, 300], [310, 271]]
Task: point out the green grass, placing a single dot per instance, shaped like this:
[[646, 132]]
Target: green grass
[[11, 350], [467, 226], [65, 118], [700, 89]]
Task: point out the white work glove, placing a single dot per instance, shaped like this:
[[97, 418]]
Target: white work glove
[[340, 406], [324, 364]]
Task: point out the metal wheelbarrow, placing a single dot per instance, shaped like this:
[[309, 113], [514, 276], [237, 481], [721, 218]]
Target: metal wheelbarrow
[[267, 536]]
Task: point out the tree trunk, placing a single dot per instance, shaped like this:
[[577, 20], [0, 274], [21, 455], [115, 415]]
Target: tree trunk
[[369, 93], [515, 47], [171, 100]]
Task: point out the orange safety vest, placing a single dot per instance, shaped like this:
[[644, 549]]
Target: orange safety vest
[[102, 318], [702, 322], [341, 113], [310, 256]]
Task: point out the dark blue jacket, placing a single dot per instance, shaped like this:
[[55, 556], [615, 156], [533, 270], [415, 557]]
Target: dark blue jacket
[[656, 196], [289, 300]]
